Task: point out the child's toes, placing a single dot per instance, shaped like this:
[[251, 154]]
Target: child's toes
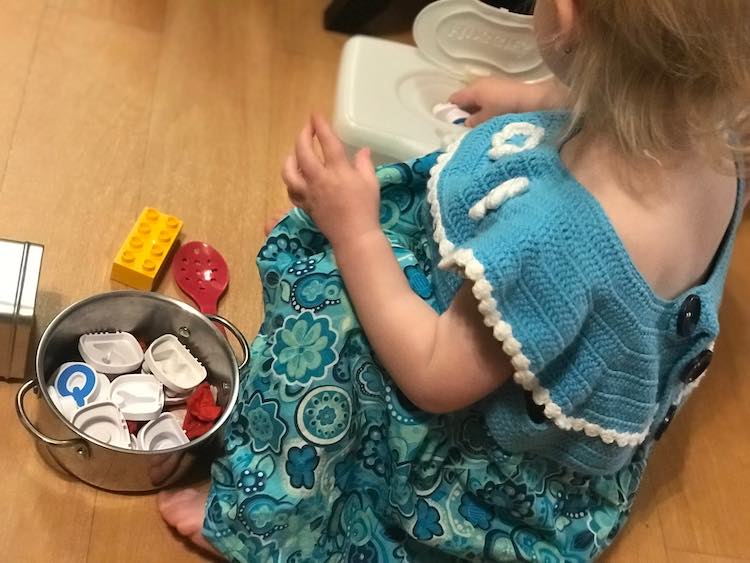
[[198, 539], [189, 523], [182, 509], [167, 500]]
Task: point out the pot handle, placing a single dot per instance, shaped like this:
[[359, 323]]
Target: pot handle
[[80, 445], [238, 335]]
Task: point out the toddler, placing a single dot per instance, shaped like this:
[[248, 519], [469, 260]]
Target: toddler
[[469, 356]]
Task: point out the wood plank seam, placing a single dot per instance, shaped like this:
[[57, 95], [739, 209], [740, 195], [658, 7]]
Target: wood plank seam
[[22, 102]]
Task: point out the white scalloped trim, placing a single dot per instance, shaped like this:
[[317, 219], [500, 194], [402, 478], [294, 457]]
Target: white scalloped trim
[[501, 147], [497, 196], [690, 387], [463, 259]]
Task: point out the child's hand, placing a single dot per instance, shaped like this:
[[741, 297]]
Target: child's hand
[[342, 197], [487, 97]]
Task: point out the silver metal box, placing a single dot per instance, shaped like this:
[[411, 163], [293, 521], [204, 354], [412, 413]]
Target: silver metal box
[[20, 264]]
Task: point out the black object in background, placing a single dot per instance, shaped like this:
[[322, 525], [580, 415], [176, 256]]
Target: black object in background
[[348, 16], [519, 6]]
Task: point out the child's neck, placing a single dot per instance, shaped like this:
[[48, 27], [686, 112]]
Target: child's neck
[[647, 177]]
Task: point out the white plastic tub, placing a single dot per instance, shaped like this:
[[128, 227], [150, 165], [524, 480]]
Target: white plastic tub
[[386, 90]]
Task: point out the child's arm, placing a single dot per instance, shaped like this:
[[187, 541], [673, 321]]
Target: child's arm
[[488, 97], [441, 362]]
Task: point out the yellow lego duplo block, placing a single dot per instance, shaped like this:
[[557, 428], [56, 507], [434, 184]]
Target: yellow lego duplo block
[[143, 256]]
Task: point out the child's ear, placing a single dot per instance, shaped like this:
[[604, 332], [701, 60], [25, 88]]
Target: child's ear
[[567, 19]]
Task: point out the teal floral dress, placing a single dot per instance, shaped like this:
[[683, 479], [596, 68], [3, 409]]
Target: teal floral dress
[[326, 461]]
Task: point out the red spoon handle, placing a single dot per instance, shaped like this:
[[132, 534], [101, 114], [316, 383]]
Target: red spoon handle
[[202, 273], [209, 308]]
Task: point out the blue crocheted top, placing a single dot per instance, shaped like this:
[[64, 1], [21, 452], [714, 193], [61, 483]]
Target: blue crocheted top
[[601, 355]]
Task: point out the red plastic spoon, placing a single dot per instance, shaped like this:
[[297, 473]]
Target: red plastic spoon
[[202, 273]]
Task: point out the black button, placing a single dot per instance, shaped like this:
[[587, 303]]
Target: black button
[[697, 366], [689, 315], [665, 423]]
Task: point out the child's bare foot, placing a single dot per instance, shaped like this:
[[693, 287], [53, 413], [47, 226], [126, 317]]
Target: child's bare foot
[[184, 509], [273, 221]]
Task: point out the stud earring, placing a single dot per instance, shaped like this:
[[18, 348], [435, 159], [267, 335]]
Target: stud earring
[[555, 39]]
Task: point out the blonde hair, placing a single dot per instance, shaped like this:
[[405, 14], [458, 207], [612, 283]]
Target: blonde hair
[[664, 75]]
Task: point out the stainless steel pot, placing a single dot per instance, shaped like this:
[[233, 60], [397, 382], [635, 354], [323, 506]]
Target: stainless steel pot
[[146, 316]]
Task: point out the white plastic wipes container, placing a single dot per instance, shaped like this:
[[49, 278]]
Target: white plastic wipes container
[[386, 90]]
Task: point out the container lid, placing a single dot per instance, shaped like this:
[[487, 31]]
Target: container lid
[[162, 433], [112, 353], [470, 39], [66, 405], [450, 113], [77, 380], [172, 398], [102, 391], [103, 422], [173, 364], [179, 413], [138, 396]]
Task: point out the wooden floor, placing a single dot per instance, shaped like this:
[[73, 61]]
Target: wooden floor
[[110, 105]]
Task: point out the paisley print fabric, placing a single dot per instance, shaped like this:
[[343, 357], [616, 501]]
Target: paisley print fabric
[[326, 461]]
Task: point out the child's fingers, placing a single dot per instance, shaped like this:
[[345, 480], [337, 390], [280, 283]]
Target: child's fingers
[[363, 163], [295, 183], [478, 117], [464, 98], [291, 175], [459, 98], [333, 149], [309, 162]]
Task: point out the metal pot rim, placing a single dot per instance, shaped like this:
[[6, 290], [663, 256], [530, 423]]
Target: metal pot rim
[[157, 297]]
